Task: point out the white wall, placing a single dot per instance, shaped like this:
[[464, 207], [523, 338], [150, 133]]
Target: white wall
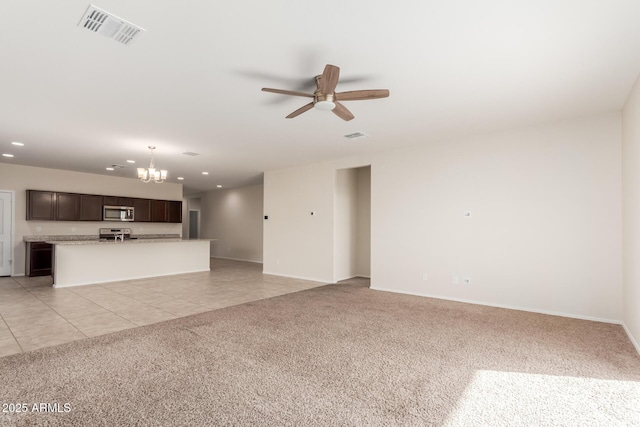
[[234, 218], [631, 213], [297, 244], [22, 178], [544, 235]]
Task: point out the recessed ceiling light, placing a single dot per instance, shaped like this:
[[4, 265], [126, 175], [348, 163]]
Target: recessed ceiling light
[[7, 155], [219, 186], [131, 161], [110, 169], [180, 178], [205, 173], [19, 144]]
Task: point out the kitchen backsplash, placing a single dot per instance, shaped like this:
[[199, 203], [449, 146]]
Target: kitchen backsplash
[[91, 228]]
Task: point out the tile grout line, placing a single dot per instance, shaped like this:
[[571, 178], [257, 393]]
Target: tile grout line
[[103, 307], [55, 311], [149, 304], [9, 327]]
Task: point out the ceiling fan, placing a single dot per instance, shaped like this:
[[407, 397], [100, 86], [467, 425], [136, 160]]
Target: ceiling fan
[[325, 97]]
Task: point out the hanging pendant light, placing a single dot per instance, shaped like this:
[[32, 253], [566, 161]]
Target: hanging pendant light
[[152, 174]]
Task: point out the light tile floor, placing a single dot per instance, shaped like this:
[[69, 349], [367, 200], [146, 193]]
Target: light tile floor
[[33, 314]]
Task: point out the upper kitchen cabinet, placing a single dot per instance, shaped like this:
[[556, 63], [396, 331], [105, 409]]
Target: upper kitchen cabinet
[[90, 207], [159, 211], [67, 207], [41, 205], [142, 210], [118, 201], [174, 211], [166, 211], [54, 206]]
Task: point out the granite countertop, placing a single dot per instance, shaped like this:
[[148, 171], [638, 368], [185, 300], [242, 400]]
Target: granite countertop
[[92, 238], [114, 242]]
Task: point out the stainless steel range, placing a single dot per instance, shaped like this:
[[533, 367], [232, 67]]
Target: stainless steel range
[[115, 234]]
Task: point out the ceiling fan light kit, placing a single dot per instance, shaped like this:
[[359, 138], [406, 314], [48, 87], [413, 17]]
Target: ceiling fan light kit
[[324, 105], [325, 97]]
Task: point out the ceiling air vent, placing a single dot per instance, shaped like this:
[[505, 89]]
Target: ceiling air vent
[[101, 22], [356, 135], [190, 153]]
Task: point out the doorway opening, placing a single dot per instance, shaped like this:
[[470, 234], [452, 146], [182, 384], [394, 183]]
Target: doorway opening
[[194, 224], [352, 226], [6, 231]]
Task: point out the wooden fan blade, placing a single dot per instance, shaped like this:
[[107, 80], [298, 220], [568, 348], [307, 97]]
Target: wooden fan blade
[[342, 112], [329, 79], [287, 92], [300, 110], [356, 95]]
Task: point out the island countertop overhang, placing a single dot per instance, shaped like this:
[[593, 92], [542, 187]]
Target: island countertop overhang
[[122, 242]]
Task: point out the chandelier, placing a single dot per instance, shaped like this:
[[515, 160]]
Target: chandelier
[[152, 174]]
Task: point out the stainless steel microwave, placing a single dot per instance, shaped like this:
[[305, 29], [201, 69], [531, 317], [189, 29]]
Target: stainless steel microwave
[[117, 213]]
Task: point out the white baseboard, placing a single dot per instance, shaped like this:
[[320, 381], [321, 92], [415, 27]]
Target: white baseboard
[[237, 259], [311, 279], [352, 277], [509, 307], [631, 338]]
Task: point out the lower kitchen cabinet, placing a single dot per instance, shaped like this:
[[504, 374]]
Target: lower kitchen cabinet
[[39, 259]]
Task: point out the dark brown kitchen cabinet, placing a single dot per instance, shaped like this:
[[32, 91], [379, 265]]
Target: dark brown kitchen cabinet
[[53, 206], [41, 205], [159, 211], [90, 207], [174, 211], [110, 200], [142, 210], [39, 259], [67, 207], [118, 201]]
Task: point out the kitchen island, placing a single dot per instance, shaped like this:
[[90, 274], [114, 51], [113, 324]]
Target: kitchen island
[[85, 262]]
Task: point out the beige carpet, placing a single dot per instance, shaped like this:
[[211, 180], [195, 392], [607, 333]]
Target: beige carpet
[[336, 355]]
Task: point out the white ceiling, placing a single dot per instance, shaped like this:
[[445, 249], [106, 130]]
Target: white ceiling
[[80, 101]]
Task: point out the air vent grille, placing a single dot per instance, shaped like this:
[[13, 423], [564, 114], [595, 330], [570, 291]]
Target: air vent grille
[[101, 22], [190, 153], [356, 135]]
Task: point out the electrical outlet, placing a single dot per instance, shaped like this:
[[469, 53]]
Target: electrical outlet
[[424, 276], [466, 280], [455, 279]]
